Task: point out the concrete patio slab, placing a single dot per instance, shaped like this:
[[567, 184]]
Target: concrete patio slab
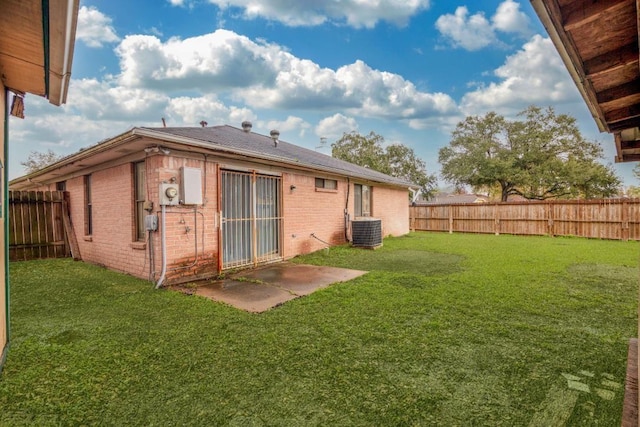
[[260, 289], [300, 279], [252, 297]]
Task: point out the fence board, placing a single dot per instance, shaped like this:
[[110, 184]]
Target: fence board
[[617, 219], [36, 228]]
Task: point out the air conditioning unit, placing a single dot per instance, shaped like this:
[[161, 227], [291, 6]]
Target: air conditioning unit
[[366, 233]]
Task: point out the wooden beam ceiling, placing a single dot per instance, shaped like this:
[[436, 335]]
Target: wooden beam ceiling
[[598, 42]]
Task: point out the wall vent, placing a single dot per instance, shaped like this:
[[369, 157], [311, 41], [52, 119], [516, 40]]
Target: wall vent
[[366, 233]]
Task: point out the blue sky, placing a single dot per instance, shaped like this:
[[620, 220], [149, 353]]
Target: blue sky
[[408, 70]]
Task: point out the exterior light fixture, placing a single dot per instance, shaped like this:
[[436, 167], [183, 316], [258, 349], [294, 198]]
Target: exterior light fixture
[[17, 105]]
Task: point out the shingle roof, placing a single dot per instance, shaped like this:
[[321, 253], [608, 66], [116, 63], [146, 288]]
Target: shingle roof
[[262, 147]]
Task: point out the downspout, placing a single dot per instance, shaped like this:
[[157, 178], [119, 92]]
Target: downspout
[[346, 212], [164, 247], [45, 42], [5, 215], [152, 261], [415, 194]]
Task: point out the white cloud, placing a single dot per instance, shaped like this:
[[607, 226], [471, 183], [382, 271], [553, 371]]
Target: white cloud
[[468, 32], [474, 32], [356, 13], [266, 76], [222, 59], [101, 100], [95, 28], [189, 111], [510, 19], [291, 124], [533, 75], [335, 126]]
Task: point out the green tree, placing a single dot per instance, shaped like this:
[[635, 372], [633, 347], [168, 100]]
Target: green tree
[[396, 160], [633, 191], [38, 160], [542, 156]]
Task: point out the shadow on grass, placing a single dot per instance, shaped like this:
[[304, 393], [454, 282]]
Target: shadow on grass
[[406, 261]]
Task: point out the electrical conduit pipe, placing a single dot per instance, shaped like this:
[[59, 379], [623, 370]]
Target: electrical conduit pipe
[[163, 238]]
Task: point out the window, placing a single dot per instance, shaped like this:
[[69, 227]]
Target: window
[[139, 174], [88, 216], [362, 200], [327, 184], [61, 186]]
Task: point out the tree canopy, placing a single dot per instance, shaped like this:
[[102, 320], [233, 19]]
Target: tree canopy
[[38, 160], [542, 156], [396, 160]]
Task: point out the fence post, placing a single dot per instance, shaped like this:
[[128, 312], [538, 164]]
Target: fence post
[[412, 218], [550, 218], [496, 216], [624, 220], [450, 220]]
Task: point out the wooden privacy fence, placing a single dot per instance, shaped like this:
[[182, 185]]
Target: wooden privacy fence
[[617, 219], [36, 225]]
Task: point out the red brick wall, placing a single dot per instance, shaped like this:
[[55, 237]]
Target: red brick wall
[[309, 211], [192, 237], [110, 243], [392, 206], [306, 210], [185, 224]]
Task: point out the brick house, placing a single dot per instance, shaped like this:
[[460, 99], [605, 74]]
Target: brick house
[[217, 197], [36, 52]]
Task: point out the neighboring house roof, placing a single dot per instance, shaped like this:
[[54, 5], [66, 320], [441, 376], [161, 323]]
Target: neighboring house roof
[[451, 199], [225, 139], [34, 57]]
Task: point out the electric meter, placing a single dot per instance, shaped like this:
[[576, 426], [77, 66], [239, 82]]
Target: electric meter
[[171, 192]]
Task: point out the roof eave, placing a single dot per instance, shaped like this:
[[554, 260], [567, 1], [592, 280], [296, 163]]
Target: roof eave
[[570, 57], [123, 138], [44, 175], [63, 21]]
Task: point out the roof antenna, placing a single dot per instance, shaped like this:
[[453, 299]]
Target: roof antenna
[[164, 124], [203, 123], [323, 143], [275, 135]]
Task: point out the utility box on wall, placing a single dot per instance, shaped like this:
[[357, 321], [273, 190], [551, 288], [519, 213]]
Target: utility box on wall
[[190, 186]]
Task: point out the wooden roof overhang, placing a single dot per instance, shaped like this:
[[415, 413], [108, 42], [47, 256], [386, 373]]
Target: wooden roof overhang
[[36, 46], [598, 42]]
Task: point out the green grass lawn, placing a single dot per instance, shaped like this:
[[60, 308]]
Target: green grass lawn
[[444, 330]]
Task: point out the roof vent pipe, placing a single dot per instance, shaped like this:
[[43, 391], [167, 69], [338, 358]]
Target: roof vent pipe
[[246, 126], [275, 135]]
